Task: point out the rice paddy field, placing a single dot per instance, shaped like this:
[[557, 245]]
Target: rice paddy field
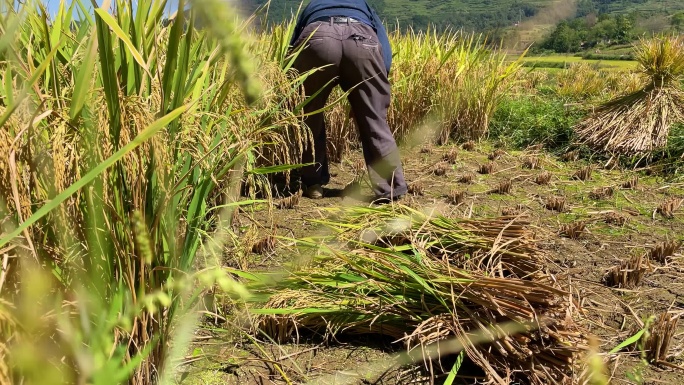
[[153, 229], [555, 62]]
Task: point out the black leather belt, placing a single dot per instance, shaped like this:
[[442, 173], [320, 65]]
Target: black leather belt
[[338, 20]]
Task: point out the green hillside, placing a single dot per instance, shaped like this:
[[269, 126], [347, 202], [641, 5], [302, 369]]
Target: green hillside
[[530, 18]]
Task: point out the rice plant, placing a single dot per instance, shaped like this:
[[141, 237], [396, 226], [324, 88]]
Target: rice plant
[[131, 140]]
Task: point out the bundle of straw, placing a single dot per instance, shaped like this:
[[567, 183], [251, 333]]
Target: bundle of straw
[[640, 121], [421, 280]]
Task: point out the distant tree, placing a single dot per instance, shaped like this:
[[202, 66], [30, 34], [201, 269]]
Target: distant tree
[[677, 21]]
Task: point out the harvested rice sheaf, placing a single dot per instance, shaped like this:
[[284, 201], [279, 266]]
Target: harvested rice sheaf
[[438, 278], [640, 122]]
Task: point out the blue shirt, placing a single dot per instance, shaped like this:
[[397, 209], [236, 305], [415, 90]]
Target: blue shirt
[[357, 9]]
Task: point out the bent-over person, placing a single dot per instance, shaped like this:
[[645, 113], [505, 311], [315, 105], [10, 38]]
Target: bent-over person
[[349, 40]]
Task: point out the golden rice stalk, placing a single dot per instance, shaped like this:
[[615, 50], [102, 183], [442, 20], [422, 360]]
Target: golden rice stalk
[[627, 274], [416, 188], [504, 187], [531, 162], [469, 145], [486, 168], [497, 154], [440, 169], [456, 197], [601, 193], [613, 218], [289, 202], [631, 183], [669, 207], [543, 179], [583, 173], [467, 178], [573, 230], [663, 251], [661, 334], [450, 157], [555, 203]]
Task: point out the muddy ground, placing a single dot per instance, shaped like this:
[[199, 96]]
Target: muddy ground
[[222, 355]]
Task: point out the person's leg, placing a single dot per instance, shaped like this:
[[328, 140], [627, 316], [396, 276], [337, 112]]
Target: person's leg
[[363, 69], [323, 49]]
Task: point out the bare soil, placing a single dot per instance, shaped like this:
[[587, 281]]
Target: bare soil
[[612, 315]]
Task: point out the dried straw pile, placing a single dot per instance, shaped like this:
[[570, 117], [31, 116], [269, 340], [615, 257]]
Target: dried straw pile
[[640, 122], [421, 280]]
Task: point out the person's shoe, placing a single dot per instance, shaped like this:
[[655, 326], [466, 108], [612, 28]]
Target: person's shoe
[[385, 200], [314, 192]]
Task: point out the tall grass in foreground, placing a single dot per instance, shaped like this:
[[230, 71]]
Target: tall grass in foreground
[[124, 144]]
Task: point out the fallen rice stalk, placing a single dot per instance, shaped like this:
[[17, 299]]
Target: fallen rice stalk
[[438, 278]]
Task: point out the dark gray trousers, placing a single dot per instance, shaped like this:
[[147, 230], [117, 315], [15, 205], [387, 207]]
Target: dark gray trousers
[[352, 58]]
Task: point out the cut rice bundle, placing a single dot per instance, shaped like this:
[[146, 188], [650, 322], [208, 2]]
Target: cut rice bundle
[[640, 122], [436, 278]]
